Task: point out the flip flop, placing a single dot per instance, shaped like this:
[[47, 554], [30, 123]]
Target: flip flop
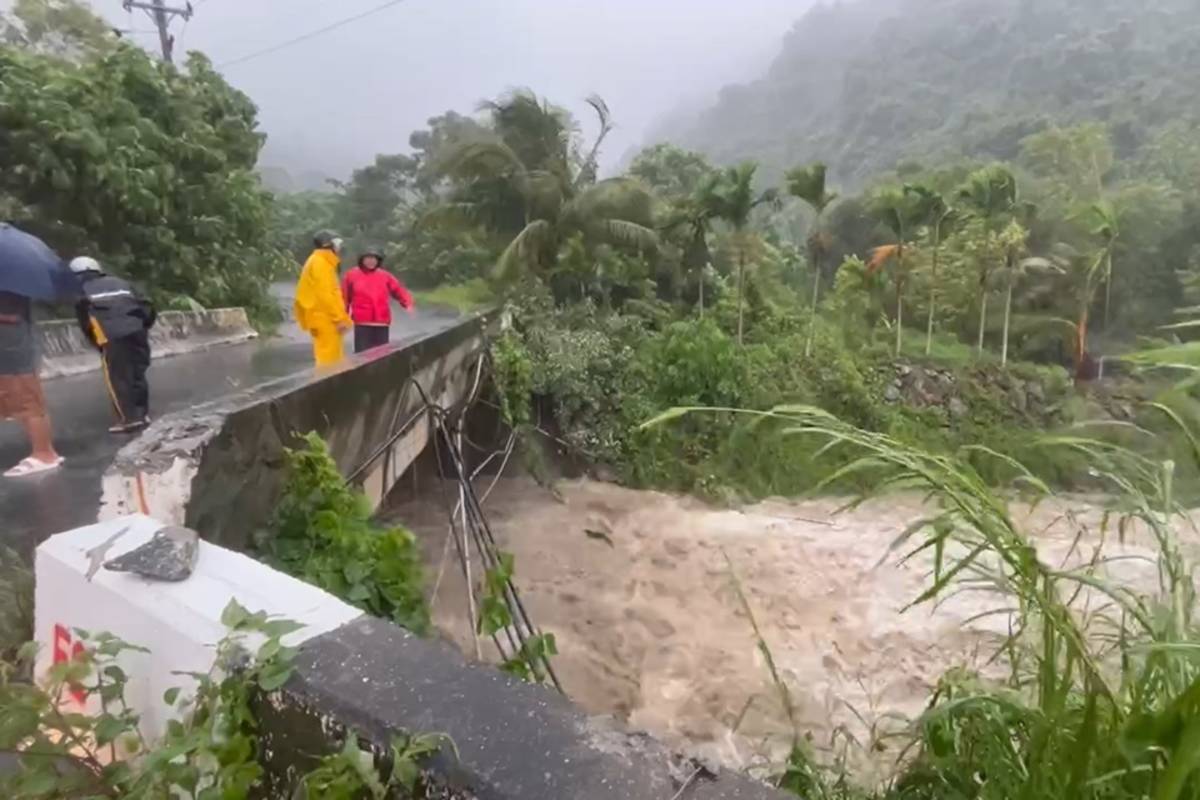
[[32, 466]]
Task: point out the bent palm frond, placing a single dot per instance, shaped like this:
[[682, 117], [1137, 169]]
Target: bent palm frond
[[590, 167], [810, 184], [625, 233], [455, 215], [524, 251], [484, 158], [614, 198]]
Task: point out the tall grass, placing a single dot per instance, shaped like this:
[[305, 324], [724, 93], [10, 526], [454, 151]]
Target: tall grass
[[1100, 689]]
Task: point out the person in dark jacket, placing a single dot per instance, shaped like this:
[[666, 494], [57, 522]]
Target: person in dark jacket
[[368, 289], [117, 319]]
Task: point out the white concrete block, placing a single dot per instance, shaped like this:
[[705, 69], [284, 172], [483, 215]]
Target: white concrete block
[[180, 623]]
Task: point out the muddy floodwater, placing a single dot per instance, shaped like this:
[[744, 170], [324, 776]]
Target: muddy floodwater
[[637, 588]]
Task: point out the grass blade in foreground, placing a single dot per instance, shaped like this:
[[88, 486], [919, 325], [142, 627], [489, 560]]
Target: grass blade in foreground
[[1102, 704]]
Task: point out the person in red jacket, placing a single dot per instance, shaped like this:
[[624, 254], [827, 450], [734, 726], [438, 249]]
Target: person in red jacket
[[368, 289]]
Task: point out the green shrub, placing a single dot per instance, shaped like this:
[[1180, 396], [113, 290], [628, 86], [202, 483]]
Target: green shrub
[[16, 604], [322, 533], [602, 374]]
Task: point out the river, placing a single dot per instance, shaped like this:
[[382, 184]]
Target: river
[[637, 588]]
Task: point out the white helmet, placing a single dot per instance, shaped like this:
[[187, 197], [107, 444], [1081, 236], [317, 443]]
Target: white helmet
[[85, 264]]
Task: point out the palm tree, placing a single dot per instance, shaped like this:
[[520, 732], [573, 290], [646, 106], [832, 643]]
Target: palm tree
[[1089, 273], [991, 195], [734, 199], [809, 184], [1106, 226], [524, 178], [900, 213], [1013, 241], [937, 216], [696, 213]]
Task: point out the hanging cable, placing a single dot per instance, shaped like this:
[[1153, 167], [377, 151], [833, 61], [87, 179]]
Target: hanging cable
[[468, 524], [310, 35]]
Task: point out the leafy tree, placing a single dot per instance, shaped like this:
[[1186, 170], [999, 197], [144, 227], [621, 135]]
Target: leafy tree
[[809, 184], [375, 194], [524, 178], [682, 180], [296, 217], [431, 145], [1075, 160], [65, 28], [150, 168], [673, 173]]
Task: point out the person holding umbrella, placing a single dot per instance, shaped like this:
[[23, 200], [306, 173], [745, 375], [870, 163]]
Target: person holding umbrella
[[29, 270]]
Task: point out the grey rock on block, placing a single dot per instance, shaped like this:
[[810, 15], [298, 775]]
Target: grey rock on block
[[170, 556]]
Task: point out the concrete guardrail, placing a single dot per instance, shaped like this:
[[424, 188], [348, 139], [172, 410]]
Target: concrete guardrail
[[219, 467], [65, 350]]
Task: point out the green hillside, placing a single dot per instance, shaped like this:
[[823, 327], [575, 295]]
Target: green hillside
[[866, 85]]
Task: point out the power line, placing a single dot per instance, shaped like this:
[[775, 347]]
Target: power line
[[311, 35]]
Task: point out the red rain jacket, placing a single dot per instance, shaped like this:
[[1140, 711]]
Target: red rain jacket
[[367, 294]]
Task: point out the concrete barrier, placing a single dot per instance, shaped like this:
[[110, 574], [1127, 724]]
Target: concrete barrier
[[352, 674], [218, 468], [177, 622], [65, 350], [514, 740]]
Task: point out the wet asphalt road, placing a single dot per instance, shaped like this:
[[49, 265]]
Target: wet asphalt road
[[31, 509]]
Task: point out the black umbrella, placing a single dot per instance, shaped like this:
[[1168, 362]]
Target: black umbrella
[[28, 267]]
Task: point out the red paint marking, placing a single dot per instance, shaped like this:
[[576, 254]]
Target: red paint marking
[[67, 649]]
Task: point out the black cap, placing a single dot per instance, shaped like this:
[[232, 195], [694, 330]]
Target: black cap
[[371, 251], [324, 239]]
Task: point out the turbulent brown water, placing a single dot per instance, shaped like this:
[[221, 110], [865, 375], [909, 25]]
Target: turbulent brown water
[[650, 629]]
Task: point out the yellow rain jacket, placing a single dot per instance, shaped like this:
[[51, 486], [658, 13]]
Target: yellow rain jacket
[[320, 308]]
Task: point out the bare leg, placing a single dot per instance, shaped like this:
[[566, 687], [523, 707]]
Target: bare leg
[[40, 438]]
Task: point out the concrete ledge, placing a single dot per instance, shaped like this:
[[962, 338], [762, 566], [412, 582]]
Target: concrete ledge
[[218, 468], [179, 623], [65, 351], [516, 741]]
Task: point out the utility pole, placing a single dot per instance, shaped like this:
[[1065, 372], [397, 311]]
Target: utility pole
[[162, 14]]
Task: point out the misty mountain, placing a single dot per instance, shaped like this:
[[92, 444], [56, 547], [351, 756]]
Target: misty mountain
[[866, 85]]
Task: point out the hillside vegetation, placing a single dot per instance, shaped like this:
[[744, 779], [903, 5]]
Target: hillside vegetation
[[870, 84]]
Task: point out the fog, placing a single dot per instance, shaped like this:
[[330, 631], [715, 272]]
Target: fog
[[333, 102]]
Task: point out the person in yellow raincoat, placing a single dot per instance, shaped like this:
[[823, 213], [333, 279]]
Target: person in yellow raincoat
[[320, 309]]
